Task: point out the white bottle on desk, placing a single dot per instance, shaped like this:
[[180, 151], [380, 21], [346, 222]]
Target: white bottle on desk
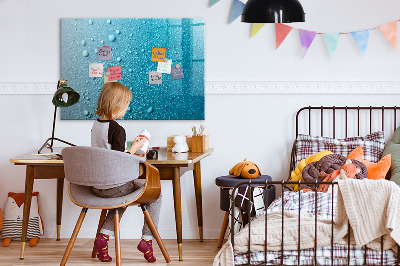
[[144, 134]]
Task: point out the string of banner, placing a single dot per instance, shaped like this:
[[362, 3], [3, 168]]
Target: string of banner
[[361, 37]]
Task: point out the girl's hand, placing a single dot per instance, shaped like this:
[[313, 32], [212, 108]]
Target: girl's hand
[[137, 144]]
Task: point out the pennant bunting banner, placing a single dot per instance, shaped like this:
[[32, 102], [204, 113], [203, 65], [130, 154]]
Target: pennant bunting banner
[[237, 9], [361, 38], [213, 2], [281, 31], [389, 30], [306, 39], [332, 41], [256, 28]]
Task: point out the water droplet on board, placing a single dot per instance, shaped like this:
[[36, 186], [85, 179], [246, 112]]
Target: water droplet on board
[[83, 42], [95, 51], [90, 22], [85, 53], [117, 32], [130, 35], [102, 41], [118, 59], [130, 70], [86, 112], [108, 21], [111, 38], [149, 110]]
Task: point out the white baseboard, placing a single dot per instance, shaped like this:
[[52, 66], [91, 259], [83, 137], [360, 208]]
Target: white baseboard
[[247, 87]]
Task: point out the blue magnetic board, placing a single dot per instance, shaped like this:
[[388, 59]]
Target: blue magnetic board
[[178, 97]]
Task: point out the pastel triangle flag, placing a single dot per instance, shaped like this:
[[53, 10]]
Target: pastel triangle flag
[[332, 41], [213, 2], [256, 28], [306, 39], [361, 37], [237, 9], [281, 31], [389, 30]]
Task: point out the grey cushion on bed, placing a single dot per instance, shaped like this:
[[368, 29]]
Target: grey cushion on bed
[[99, 167], [83, 195]]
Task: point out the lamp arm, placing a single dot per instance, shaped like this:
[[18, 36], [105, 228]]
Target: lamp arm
[[54, 126]]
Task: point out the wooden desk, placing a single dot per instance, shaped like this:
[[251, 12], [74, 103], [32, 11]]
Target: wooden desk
[[171, 167]]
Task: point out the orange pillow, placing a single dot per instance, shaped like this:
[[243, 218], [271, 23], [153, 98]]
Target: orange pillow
[[375, 170]]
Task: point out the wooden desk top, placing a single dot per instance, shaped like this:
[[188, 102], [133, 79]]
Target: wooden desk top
[[164, 157]]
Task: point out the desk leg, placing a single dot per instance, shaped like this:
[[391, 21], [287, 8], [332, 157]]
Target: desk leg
[[27, 206], [176, 182], [60, 190], [199, 204]]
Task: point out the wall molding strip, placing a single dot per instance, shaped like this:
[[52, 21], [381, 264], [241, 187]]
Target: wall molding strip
[[247, 87]]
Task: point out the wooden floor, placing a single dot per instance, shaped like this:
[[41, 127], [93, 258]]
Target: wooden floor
[[50, 252]]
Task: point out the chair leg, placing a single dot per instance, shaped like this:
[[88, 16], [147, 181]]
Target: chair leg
[[73, 237], [223, 229], [117, 238], [154, 230], [101, 222]]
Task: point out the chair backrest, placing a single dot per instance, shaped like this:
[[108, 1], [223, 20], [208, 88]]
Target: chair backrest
[[92, 166]]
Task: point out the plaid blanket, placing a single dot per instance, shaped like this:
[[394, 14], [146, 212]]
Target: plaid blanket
[[323, 205]]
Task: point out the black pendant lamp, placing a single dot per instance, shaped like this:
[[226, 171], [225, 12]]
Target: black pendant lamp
[[273, 11]]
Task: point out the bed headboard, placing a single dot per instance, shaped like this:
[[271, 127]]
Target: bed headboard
[[344, 121]]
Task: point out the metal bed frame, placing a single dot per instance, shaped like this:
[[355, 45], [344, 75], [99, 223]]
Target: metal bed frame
[[283, 184]]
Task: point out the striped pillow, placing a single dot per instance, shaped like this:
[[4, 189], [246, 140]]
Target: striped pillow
[[372, 145]]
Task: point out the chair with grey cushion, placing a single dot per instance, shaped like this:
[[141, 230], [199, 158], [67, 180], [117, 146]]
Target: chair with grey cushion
[[85, 167]]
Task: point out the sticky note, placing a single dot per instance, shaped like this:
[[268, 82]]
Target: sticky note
[[115, 73], [96, 70], [155, 77], [158, 54], [177, 72], [104, 53], [164, 67]]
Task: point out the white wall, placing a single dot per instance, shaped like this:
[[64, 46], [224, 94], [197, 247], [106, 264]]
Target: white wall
[[258, 127]]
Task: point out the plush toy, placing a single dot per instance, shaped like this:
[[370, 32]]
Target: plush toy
[[13, 215], [296, 174], [245, 169], [375, 170], [180, 144]]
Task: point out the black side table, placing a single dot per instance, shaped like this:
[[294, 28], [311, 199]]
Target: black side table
[[226, 183]]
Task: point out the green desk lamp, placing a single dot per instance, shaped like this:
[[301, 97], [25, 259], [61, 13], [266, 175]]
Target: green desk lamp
[[64, 96]]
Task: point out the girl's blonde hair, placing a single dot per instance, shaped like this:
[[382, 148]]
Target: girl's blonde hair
[[112, 99]]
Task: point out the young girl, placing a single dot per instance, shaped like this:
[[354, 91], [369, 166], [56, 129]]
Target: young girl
[[113, 103]]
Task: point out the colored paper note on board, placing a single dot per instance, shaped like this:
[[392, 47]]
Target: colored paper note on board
[[95, 70], [155, 77], [164, 67], [104, 53], [115, 73], [158, 54], [177, 72]]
